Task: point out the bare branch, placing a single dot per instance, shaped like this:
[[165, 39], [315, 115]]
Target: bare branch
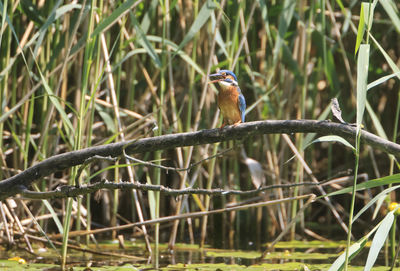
[[67, 191], [21, 181]]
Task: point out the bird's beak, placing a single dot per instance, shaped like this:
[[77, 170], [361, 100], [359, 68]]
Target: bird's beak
[[216, 77]]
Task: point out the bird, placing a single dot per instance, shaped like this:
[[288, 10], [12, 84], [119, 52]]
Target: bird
[[231, 101]]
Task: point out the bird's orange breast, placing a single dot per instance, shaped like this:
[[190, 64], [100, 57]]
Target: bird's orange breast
[[228, 104]]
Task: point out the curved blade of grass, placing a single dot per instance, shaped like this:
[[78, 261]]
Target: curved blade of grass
[[218, 37], [59, 12], [375, 121], [382, 80], [3, 19], [31, 11], [353, 251], [182, 54], [12, 60], [369, 13], [53, 215], [362, 76], [381, 195], [379, 239], [108, 120], [391, 63], [43, 29], [55, 102], [264, 16], [204, 13], [390, 7], [333, 138], [360, 30], [114, 16], [392, 179], [366, 19], [284, 22], [145, 24], [142, 39], [323, 116], [331, 73]]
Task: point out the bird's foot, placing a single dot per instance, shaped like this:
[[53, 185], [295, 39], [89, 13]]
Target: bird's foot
[[237, 123]]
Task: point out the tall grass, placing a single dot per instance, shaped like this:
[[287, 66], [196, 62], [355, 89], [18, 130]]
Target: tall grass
[[75, 74]]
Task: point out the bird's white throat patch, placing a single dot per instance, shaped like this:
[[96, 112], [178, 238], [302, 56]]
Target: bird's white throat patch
[[227, 84]]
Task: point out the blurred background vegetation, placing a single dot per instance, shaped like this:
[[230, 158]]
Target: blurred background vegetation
[[85, 73]]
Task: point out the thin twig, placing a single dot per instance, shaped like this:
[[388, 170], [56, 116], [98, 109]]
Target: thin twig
[[73, 191], [188, 215], [174, 168]]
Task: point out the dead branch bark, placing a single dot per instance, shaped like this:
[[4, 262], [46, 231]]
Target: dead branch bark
[[68, 191], [20, 182]]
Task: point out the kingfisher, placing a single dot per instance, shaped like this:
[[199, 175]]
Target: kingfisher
[[231, 101]]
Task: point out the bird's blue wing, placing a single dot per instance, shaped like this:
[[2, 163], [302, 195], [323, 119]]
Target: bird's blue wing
[[242, 106]]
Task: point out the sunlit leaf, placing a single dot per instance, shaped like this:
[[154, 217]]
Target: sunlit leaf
[[334, 138], [182, 54], [391, 63], [391, 9], [146, 21], [284, 22], [142, 39], [152, 199], [392, 179], [369, 13], [218, 36], [56, 103], [113, 17], [366, 19], [380, 196], [360, 31], [362, 76], [382, 80], [43, 29], [375, 121], [379, 239], [353, 251], [204, 13], [108, 120]]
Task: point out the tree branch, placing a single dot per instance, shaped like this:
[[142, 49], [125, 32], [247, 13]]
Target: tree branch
[[67, 191], [21, 181]]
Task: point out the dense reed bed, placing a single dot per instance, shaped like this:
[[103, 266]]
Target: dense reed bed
[[88, 73]]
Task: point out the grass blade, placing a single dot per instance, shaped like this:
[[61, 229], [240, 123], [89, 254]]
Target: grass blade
[[391, 9], [204, 13], [378, 197], [379, 239], [382, 80], [144, 42], [114, 16], [392, 179], [56, 103], [333, 138], [353, 251], [362, 76], [360, 30]]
